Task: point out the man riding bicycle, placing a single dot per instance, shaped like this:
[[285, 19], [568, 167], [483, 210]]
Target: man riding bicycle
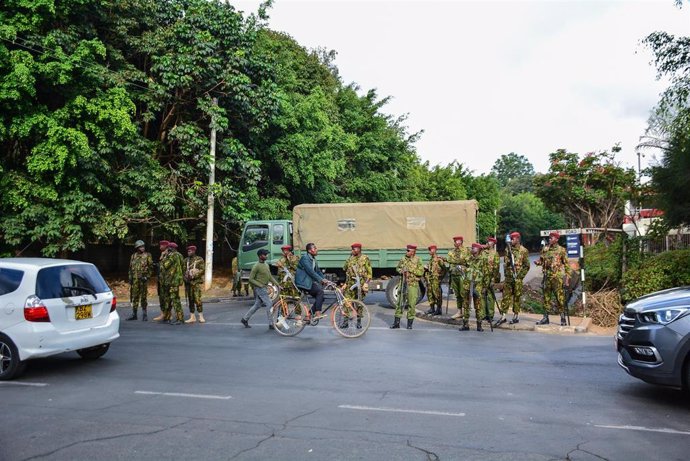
[[310, 278]]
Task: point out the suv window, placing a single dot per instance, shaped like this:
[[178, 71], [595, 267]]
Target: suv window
[[69, 280], [10, 279]]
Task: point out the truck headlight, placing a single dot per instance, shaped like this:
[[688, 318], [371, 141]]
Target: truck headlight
[[663, 315]]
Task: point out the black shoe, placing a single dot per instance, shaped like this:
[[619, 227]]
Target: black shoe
[[563, 322], [396, 324], [359, 324], [409, 323], [344, 325], [544, 320], [479, 325], [271, 327], [514, 320], [175, 322], [132, 317], [500, 321], [246, 323], [464, 328], [438, 311], [431, 311], [144, 317]]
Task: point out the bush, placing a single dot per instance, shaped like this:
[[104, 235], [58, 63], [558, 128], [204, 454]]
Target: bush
[[603, 265], [665, 270]]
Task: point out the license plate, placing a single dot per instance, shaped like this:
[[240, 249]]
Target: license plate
[[83, 312]]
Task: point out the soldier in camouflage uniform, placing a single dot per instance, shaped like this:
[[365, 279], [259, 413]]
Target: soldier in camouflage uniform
[[457, 260], [411, 268], [140, 268], [493, 262], [476, 278], [237, 279], [172, 269], [193, 279], [554, 263], [516, 267], [163, 290], [287, 281], [357, 266], [433, 273]]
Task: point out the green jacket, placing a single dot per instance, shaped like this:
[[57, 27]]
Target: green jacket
[[457, 259], [521, 259], [140, 266], [171, 268], [554, 261]]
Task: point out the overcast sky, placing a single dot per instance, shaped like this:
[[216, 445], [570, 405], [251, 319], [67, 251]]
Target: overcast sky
[[486, 78]]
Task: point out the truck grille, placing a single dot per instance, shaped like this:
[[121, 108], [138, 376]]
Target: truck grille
[[625, 323]]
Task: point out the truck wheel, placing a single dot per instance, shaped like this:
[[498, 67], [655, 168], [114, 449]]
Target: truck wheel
[[393, 291]]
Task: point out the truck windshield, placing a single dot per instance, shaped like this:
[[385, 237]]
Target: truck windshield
[[255, 236]]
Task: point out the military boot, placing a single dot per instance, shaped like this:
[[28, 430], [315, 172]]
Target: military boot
[[359, 323], [457, 315], [144, 316], [430, 311], [500, 321], [409, 323], [396, 323], [465, 326], [544, 320], [191, 319], [563, 322], [344, 324], [515, 319], [201, 318], [133, 316], [439, 311], [160, 318], [479, 325]]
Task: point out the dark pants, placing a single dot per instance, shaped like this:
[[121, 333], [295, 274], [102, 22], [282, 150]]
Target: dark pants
[[316, 291]]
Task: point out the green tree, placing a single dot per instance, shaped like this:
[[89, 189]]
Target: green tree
[[527, 214], [514, 173]]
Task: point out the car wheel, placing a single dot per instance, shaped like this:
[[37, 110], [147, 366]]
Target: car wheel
[[93, 353], [10, 365]]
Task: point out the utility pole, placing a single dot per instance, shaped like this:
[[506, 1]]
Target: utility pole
[[208, 273]]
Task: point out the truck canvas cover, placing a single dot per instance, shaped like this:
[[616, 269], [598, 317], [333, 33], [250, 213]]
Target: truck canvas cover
[[384, 225]]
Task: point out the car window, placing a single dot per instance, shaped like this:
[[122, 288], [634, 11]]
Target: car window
[[69, 280], [10, 279]]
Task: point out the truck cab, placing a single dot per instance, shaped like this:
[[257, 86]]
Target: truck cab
[[266, 234]]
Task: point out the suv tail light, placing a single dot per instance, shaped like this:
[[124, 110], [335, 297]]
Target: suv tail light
[[113, 305], [35, 311]]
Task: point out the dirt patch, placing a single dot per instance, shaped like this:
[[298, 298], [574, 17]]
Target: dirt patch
[[221, 285]]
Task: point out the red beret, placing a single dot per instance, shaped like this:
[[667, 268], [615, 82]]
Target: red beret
[[514, 234], [286, 247], [459, 237], [356, 245], [172, 245], [164, 243], [191, 247], [555, 234], [432, 246], [491, 239], [411, 247], [477, 245]]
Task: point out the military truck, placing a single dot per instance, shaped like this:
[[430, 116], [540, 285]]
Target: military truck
[[384, 229]]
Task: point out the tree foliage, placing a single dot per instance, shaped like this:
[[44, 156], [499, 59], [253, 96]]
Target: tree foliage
[[527, 214], [514, 173]]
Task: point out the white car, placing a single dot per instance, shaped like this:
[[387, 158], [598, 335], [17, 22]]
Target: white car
[[50, 306]]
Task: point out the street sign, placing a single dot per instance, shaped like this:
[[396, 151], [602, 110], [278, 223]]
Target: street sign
[[545, 233], [572, 245]]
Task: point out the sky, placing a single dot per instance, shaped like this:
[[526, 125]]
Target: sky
[[487, 78]]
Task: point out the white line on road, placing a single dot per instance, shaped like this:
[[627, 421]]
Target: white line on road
[[191, 396], [645, 429], [23, 383], [400, 410]]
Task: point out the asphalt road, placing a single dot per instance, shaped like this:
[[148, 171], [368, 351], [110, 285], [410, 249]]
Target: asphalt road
[[219, 391]]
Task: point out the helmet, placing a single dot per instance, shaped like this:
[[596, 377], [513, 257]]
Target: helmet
[[139, 243]]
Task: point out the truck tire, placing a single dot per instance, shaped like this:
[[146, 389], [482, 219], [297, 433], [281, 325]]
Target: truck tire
[[392, 290]]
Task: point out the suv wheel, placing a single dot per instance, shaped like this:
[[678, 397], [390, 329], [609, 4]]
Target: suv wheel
[[10, 365], [93, 353]]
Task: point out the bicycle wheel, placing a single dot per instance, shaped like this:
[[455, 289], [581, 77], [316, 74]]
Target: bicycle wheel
[[289, 317], [351, 318]]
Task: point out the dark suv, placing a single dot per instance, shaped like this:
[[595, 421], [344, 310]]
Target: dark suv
[[653, 338]]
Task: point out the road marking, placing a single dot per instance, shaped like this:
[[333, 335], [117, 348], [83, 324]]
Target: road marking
[[645, 429], [23, 383], [191, 396], [400, 410]]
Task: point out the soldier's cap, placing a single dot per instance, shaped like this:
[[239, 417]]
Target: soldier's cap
[[491, 239], [164, 243], [173, 245], [459, 237], [411, 247], [478, 246], [356, 245], [139, 243], [514, 235], [262, 251], [286, 247], [432, 246], [555, 234], [191, 247]]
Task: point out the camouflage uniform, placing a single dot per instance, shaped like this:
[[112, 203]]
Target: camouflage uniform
[[457, 259], [357, 265], [512, 291], [193, 278], [163, 289], [237, 279], [554, 262], [493, 263], [477, 274], [171, 279], [287, 284], [140, 268], [433, 274], [415, 270]]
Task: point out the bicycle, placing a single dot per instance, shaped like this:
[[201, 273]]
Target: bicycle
[[349, 317]]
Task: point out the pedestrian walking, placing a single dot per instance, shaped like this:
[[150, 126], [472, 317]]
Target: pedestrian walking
[[411, 269], [193, 279], [140, 269], [259, 277]]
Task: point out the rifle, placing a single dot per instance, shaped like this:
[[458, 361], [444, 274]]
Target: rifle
[[402, 292], [471, 306], [489, 318], [509, 249], [567, 297]]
